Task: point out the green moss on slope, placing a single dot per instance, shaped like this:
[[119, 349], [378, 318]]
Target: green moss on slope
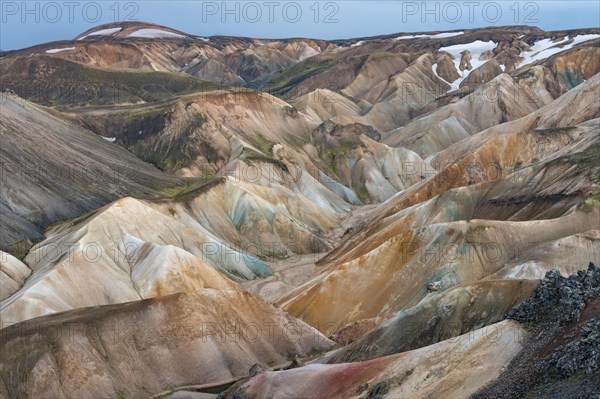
[[54, 81], [287, 79]]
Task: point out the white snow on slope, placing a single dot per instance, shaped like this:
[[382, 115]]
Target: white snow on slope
[[476, 48], [545, 48], [111, 139], [360, 43], [154, 34], [58, 50], [102, 32], [437, 36]]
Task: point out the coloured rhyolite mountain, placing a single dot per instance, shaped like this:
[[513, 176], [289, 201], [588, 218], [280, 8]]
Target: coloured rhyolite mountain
[[414, 215]]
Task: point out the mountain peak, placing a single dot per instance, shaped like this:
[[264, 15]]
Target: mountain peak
[[131, 29]]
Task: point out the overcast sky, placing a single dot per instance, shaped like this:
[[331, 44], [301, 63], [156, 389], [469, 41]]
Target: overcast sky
[[24, 24]]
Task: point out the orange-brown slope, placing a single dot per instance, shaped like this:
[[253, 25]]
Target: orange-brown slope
[[141, 348], [395, 275]]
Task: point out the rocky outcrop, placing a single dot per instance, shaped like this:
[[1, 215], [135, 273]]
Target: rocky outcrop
[[465, 61], [560, 357], [331, 128], [579, 354], [558, 298]]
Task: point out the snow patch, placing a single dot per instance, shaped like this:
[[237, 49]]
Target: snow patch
[[58, 50], [436, 36], [110, 139], [103, 32], [546, 47], [154, 34], [477, 48], [359, 43]]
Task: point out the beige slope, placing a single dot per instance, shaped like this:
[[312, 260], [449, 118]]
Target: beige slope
[[445, 68], [537, 192], [374, 73], [215, 71], [142, 348], [391, 81], [324, 104], [421, 235], [254, 217], [13, 274], [483, 74], [126, 252], [567, 254], [351, 155], [136, 252], [455, 368], [522, 190], [383, 171]]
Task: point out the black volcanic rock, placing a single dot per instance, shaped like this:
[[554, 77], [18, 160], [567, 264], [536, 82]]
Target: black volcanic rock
[[581, 354], [559, 298], [561, 356]]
